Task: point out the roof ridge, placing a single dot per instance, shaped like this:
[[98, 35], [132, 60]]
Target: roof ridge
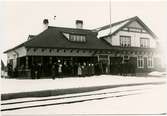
[[115, 23], [69, 28]]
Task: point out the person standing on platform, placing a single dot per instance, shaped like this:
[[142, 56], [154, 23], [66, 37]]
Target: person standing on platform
[[32, 71], [36, 71], [96, 69], [60, 70], [89, 70], [56, 69], [92, 69], [83, 67], [39, 70], [79, 70], [53, 71], [64, 68], [10, 70], [75, 68]]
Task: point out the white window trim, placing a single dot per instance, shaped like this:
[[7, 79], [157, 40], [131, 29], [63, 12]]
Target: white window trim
[[145, 42], [152, 62], [142, 66], [77, 38], [67, 35], [125, 40], [125, 58]]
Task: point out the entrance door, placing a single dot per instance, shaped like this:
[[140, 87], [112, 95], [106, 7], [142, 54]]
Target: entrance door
[[115, 64], [104, 61]]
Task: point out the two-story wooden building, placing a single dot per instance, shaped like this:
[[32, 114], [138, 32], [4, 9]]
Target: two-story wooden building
[[131, 41], [112, 45]]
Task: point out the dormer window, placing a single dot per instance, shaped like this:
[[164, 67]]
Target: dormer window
[[77, 38], [67, 35]]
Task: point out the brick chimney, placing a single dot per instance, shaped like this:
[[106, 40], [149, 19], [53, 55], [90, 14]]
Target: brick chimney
[[45, 23], [79, 24]]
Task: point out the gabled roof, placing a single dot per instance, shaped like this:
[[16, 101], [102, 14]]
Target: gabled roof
[[115, 27], [53, 38], [113, 24]]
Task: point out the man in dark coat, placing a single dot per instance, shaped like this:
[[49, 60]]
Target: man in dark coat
[[53, 71]]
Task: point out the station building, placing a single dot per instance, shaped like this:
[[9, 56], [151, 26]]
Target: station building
[[128, 41]]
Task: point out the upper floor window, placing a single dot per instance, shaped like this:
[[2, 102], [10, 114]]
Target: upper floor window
[[135, 29], [125, 29], [125, 41], [144, 31], [75, 37], [144, 42]]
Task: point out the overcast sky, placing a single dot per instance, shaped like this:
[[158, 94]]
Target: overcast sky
[[19, 19]]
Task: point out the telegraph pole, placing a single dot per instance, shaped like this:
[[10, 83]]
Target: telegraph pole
[[110, 14]]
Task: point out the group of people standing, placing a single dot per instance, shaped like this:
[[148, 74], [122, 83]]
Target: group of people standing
[[88, 69], [70, 69], [77, 69]]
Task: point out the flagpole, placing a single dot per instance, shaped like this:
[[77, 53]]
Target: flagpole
[[110, 14]]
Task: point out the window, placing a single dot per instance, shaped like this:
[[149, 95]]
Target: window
[[150, 62], [144, 31], [77, 38], [103, 58], [140, 62], [125, 59], [67, 35], [144, 43], [83, 39], [135, 29], [125, 29], [125, 41], [72, 38]]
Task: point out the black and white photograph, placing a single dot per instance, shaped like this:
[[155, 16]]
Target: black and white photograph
[[74, 58]]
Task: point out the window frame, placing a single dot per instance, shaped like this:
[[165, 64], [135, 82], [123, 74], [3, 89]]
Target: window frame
[[140, 62], [77, 38], [146, 43], [150, 62], [133, 29], [125, 41]]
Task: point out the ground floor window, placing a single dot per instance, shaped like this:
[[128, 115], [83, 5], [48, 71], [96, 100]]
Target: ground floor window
[[125, 59], [150, 62], [140, 62]]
